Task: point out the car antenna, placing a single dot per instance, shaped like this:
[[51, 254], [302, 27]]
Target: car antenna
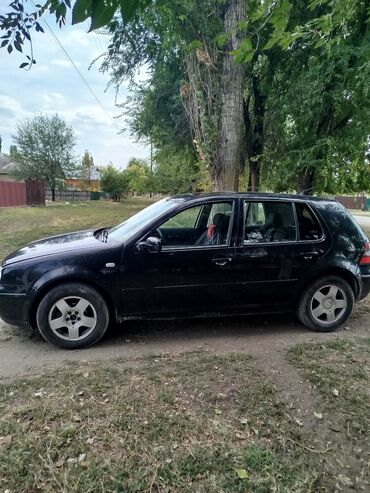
[[307, 190]]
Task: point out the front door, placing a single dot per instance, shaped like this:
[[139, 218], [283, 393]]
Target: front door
[[192, 274]]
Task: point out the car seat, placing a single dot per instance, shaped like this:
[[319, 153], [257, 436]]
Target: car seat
[[216, 232]]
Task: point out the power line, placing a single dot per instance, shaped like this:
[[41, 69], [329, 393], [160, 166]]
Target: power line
[[79, 73]]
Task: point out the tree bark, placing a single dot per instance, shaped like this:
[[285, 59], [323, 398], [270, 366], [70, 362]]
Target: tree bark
[[306, 181], [255, 134], [226, 169], [53, 194]]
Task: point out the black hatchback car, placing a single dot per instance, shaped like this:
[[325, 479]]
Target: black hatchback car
[[192, 255]]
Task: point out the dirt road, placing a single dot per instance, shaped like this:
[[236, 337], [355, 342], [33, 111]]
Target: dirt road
[[265, 338]]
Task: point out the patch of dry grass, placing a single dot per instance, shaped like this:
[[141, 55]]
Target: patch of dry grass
[[195, 422], [340, 371]]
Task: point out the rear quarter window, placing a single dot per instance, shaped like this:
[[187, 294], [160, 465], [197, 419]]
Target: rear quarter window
[[308, 225]]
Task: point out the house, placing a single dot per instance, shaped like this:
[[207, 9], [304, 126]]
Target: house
[[7, 167], [92, 183]]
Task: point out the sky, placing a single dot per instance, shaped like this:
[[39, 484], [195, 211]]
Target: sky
[[54, 86]]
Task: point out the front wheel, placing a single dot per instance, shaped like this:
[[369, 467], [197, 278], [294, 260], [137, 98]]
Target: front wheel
[[326, 304], [72, 316]]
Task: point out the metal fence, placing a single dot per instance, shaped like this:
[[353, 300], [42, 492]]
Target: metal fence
[[69, 195], [31, 192], [349, 202]]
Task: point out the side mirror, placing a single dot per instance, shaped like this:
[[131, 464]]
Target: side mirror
[[151, 245]]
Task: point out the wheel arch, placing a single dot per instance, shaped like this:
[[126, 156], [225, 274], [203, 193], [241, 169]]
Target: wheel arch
[[345, 274], [74, 279]]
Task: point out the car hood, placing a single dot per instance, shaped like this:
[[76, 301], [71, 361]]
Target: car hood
[[80, 240]]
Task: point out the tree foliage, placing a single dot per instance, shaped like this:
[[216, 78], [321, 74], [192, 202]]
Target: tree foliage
[[138, 175], [87, 169], [45, 150], [305, 77], [113, 181]]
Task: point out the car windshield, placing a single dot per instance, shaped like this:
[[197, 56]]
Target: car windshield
[[135, 223]]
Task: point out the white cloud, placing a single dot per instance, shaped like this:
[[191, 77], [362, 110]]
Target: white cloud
[[63, 63], [53, 86]]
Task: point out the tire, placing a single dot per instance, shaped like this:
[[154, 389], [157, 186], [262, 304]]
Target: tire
[[72, 316], [326, 304]]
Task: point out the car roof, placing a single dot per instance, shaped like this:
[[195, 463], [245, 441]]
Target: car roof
[[250, 195]]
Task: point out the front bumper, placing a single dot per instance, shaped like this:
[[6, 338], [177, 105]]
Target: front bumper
[[13, 307]]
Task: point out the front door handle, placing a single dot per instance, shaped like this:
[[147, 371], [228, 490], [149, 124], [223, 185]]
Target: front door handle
[[221, 261], [309, 255]]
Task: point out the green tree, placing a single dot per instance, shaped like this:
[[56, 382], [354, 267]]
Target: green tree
[[303, 66], [318, 122], [138, 175], [45, 146], [13, 151], [183, 34], [113, 181], [176, 171], [87, 169]]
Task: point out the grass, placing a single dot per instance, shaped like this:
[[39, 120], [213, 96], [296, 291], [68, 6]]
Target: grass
[[20, 225], [339, 371], [195, 422]]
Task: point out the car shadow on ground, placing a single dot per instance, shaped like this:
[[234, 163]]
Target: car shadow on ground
[[200, 328]]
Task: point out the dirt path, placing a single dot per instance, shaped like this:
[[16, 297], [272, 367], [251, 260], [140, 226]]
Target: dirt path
[[266, 339]]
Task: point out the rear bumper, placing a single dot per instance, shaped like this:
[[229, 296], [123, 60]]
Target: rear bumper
[[13, 309], [365, 287]]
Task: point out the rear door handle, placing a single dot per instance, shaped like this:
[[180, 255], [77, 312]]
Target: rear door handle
[[221, 261], [309, 255]]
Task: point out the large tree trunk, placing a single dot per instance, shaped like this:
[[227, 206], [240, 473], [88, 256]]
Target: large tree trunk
[[306, 181], [255, 135], [225, 172], [53, 194], [254, 176]]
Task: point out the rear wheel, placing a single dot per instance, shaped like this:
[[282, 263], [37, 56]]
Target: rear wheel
[[72, 316], [326, 304]]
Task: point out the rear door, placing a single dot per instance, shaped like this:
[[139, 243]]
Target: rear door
[[275, 252]]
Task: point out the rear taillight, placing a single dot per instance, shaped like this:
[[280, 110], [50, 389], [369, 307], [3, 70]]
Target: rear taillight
[[365, 258]]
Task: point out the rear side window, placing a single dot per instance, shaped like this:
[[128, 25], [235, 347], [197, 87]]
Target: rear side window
[[308, 225], [267, 222]]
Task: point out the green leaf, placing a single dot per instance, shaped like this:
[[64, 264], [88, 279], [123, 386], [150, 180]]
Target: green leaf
[[246, 44], [130, 7], [242, 25], [81, 11], [194, 45], [242, 473], [183, 17], [102, 12], [271, 42], [221, 39], [244, 53]]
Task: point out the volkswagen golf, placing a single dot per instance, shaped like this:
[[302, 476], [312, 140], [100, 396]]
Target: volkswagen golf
[[192, 255]]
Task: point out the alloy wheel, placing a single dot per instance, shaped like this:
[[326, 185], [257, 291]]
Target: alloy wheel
[[72, 318], [328, 304]]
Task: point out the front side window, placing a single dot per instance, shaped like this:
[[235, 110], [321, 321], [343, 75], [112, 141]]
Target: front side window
[[267, 222], [199, 226]]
